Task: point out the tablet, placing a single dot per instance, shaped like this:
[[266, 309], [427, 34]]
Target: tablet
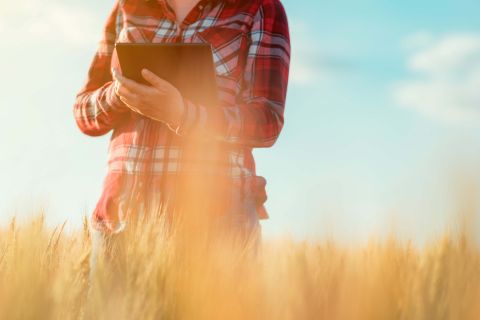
[[187, 66]]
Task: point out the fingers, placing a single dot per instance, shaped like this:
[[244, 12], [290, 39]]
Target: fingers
[[143, 99], [131, 85], [152, 78], [123, 91], [130, 92], [115, 72]]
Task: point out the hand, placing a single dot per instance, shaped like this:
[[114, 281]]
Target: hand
[[161, 101]]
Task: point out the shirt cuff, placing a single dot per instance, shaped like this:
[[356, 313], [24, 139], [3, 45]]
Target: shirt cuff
[[193, 117]]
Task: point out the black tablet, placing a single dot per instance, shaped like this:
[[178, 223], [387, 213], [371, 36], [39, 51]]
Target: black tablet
[[189, 67]]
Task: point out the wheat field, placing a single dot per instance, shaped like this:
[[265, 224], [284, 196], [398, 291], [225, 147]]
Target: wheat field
[[44, 274]]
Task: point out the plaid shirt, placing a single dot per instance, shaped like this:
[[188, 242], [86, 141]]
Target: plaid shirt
[[251, 48]]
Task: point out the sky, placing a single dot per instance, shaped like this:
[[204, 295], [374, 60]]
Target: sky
[[381, 121]]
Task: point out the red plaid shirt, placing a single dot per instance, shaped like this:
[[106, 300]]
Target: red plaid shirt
[[251, 47]]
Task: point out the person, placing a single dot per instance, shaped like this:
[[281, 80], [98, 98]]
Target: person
[[167, 152]]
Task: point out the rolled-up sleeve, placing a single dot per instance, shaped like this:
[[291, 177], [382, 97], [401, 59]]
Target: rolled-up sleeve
[[97, 109]]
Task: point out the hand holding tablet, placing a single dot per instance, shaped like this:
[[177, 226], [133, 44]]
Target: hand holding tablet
[[188, 67], [160, 100], [155, 78]]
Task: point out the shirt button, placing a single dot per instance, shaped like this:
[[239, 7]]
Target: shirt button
[[200, 7]]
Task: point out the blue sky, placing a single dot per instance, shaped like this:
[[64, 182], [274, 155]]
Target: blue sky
[[382, 116]]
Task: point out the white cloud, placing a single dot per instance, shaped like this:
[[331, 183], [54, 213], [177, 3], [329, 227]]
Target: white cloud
[[28, 21], [445, 80], [418, 40]]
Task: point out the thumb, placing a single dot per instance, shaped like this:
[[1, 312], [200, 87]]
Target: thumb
[[152, 78]]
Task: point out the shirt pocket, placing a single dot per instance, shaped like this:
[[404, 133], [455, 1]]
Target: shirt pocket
[[229, 47]]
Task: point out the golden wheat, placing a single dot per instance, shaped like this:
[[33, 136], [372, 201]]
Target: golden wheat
[[44, 274]]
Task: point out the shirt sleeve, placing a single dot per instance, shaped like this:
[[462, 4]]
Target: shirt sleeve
[[258, 119], [97, 109]]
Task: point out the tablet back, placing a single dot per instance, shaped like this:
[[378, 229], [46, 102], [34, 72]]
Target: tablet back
[[189, 67]]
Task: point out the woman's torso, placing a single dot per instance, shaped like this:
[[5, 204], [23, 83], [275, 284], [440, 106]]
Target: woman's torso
[[142, 149]]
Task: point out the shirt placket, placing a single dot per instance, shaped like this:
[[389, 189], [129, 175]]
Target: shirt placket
[[191, 17]]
